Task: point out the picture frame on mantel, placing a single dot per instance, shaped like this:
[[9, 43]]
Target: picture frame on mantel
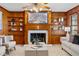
[[38, 18]]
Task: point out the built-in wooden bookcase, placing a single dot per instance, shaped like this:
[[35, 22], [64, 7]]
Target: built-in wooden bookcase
[[58, 26], [16, 28]]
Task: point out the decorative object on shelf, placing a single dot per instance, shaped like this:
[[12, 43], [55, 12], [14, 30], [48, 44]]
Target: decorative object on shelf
[[61, 19], [67, 29], [37, 27], [12, 21], [15, 24], [21, 19], [21, 24], [21, 29], [13, 29]]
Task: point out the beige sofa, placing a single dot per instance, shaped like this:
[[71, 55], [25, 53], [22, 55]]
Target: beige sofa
[[72, 49], [2, 48]]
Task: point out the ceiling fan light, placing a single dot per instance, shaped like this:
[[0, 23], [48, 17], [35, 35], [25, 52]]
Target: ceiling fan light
[[31, 9], [50, 9], [41, 9], [35, 9]]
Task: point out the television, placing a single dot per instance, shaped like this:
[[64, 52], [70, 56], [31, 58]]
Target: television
[[38, 18]]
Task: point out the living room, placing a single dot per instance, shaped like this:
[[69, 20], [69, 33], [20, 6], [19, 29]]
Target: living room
[[39, 29]]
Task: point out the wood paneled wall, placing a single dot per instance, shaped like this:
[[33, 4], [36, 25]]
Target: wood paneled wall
[[4, 21], [55, 39], [18, 35], [51, 15], [16, 14], [30, 26], [59, 15], [37, 27], [71, 12], [51, 39], [74, 10]]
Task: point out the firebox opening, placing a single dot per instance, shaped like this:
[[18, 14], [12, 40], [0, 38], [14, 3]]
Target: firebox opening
[[37, 37]]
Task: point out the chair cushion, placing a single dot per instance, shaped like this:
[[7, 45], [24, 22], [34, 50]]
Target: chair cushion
[[8, 38]]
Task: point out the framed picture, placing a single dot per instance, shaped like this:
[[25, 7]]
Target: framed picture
[[38, 18]]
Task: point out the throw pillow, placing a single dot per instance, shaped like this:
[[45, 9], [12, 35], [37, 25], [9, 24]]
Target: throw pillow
[[0, 41], [71, 38], [76, 39]]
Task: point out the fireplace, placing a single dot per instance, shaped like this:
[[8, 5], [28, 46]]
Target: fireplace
[[36, 36]]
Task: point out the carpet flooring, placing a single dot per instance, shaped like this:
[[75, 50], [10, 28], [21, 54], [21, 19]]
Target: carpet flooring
[[54, 50]]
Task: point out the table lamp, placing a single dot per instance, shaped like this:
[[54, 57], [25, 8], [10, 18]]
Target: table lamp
[[67, 29]]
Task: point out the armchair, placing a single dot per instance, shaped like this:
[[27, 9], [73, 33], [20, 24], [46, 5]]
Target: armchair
[[2, 48], [10, 42]]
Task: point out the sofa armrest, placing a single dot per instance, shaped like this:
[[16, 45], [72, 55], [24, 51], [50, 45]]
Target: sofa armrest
[[2, 50], [63, 39]]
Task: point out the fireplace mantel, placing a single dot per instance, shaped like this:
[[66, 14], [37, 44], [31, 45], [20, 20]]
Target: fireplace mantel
[[29, 26]]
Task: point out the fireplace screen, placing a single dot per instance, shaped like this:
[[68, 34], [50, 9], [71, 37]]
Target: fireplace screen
[[37, 37]]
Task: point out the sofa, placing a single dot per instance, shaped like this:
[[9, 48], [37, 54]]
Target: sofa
[[2, 48], [70, 47], [6, 44]]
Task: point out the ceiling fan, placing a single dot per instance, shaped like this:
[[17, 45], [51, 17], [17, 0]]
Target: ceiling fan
[[36, 7]]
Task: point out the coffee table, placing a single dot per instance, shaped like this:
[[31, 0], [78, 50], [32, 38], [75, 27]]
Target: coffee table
[[36, 51]]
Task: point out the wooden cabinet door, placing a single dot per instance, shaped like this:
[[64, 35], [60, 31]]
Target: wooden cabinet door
[[19, 39], [16, 39], [55, 40]]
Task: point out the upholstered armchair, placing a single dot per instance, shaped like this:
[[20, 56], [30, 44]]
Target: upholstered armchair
[[2, 48], [10, 42]]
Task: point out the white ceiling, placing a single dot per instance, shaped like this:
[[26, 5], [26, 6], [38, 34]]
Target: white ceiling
[[57, 7]]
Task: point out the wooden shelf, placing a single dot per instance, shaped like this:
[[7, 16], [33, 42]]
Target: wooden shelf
[[57, 26], [15, 17], [59, 33], [14, 28]]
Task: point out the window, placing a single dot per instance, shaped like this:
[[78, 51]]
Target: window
[[0, 20], [74, 24]]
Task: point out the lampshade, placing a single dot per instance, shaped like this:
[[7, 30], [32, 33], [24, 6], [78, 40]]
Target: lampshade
[[67, 29]]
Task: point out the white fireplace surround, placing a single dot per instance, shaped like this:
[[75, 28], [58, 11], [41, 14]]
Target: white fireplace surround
[[37, 31]]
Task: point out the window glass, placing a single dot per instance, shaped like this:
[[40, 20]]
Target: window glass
[[74, 24], [0, 20]]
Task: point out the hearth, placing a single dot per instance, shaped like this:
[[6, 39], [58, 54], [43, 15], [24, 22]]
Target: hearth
[[37, 36]]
